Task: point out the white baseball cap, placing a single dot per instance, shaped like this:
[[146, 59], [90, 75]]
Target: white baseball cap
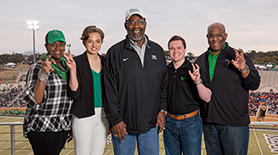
[[133, 11]]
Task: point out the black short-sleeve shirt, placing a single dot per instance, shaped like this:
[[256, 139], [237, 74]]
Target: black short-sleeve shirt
[[183, 96]]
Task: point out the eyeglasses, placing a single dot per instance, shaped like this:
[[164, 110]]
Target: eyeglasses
[[133, 22], [218, 36]]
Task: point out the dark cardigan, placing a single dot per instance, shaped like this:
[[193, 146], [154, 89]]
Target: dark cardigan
[[83, 104]]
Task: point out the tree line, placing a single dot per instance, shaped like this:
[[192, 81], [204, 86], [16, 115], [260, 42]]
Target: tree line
[[263, 57], [17, 58], [257, 57]]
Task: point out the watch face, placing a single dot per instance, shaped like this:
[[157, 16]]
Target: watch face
[[245, 70], [165, 112]]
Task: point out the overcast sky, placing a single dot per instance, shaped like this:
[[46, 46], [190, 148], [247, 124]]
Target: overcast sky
[[250, 24]]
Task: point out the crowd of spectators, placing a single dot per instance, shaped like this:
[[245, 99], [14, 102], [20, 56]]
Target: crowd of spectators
[[22, 78], [268, 99], [256, 99], [8, 94]]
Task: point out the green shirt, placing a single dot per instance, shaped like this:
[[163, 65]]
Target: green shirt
[[97, 88], [212, 62]]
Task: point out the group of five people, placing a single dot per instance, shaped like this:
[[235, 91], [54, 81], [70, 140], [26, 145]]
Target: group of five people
[[133, 92]]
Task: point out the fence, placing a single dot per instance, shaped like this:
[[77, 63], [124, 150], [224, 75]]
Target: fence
[[12, 133], [260, 142]]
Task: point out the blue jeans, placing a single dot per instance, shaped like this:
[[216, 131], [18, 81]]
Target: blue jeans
[[183, 135], [221, 139], [147, 143]]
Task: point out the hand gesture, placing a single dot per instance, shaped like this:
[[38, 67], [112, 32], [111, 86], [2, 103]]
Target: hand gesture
[[46, 67], [119, 130], [160, 121], [70, 61], [195, 76], [239, 61]]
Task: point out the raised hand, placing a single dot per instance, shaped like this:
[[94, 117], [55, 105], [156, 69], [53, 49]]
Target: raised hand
[[70, 61], [195, 76], [239, 61], [46, 67]]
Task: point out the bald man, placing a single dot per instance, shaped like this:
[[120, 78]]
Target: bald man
[[230, 74]]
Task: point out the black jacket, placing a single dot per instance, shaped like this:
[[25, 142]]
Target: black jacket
[[230, 91], [135, 94], [83, 104]]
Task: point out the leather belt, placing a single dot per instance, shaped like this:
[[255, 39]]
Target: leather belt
[[181, 117]]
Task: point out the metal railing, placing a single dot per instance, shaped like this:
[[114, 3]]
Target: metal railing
[[12, 124]]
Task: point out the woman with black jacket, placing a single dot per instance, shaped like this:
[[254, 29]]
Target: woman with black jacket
[[89, 123]]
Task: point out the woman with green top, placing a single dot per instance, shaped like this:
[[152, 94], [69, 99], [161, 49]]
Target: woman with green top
[[89, 123]]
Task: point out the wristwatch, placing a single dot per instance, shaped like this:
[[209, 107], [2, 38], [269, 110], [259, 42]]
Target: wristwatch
[[164, 111], [197, 83], [245, 70]]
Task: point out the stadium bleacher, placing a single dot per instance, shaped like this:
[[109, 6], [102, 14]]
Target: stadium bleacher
[[266, 95], [264, 98]]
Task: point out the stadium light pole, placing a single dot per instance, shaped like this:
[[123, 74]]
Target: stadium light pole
[[33, 25]]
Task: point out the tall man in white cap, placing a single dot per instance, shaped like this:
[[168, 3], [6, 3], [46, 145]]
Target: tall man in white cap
[[135, 83]]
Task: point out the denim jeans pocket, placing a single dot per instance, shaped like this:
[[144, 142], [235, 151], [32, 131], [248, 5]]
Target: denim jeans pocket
[[167, 117], [194, 119]]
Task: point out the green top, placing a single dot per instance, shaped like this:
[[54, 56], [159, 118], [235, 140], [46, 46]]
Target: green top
[[212, 62], [97, 88]]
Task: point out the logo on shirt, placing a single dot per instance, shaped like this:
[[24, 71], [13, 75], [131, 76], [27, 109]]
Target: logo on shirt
[[154, 57], [184, 78], [125, 59], [228, 62]]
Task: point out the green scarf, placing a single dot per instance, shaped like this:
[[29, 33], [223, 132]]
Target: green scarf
[[57, 69]]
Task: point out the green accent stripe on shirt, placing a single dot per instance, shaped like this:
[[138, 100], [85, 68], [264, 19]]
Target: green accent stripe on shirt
[[97, 88], [212, 62]]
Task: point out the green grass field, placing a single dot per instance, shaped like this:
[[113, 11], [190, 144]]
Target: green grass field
[[257, 141]]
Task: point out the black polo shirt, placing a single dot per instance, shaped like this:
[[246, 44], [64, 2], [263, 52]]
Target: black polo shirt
[[183, 96]]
